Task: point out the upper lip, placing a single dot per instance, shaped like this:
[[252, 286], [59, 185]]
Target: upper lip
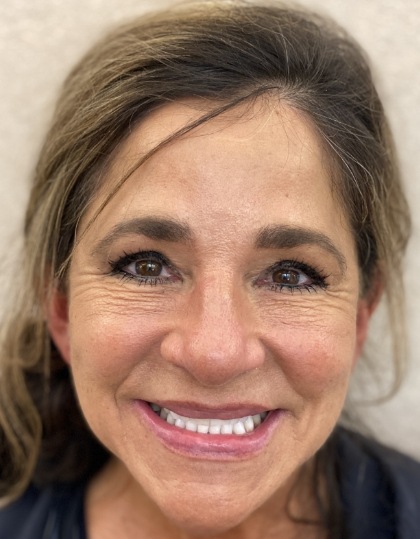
[[196, 410]]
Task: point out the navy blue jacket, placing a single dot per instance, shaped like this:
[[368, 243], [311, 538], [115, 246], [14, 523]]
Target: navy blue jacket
[[380, 491]]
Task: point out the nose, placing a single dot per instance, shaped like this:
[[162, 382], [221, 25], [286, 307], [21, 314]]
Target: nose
[[214, 339]]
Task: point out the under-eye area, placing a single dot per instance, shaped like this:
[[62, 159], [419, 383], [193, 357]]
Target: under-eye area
[[238, 426]]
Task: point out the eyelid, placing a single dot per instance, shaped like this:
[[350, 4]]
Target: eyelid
[[138, 255]]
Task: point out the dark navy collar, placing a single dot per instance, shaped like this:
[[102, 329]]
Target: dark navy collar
[[380, 489]]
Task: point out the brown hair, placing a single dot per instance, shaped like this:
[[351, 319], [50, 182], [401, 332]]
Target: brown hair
[[224, 52]]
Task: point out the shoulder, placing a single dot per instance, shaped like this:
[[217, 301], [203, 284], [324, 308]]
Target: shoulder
[[379, 480], [54, 512]]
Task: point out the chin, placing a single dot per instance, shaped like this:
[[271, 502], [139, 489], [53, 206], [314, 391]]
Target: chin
[[206, 519], [206, 509]]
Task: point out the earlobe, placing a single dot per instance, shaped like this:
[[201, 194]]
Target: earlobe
[[58, 323]]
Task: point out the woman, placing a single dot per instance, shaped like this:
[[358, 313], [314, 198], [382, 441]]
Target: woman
[[215, 216]]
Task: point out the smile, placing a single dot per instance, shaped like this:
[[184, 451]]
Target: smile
[[238, 426], [195, 431]]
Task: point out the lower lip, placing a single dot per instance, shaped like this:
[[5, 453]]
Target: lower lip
[[209, 446]]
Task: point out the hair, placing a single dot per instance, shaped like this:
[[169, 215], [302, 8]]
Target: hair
[[224, 53]]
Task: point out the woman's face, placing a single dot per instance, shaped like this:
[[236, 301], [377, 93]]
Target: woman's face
[[220, 283]]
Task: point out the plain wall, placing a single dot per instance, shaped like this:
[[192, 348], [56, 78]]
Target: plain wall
[[41, 39]]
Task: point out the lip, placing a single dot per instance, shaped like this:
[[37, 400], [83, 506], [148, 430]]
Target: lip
[[210, 446]]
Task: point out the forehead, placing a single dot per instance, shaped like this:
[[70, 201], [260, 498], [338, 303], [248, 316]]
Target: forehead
[[256, 164], [266, 126]]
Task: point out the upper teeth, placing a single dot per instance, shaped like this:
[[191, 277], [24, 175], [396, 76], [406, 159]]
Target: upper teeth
[[237, 426]]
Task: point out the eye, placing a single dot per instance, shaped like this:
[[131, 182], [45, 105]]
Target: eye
[[292, 275], [146, 267], [287, 277]]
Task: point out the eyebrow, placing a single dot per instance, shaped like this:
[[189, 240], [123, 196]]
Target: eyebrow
[[159, 229], [284, 236], [172, 230]]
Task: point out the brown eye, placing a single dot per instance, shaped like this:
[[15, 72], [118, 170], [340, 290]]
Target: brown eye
[[286, 277], [291, 275], [148, 268]]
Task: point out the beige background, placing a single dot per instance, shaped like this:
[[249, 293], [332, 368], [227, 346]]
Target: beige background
[[41, 39]]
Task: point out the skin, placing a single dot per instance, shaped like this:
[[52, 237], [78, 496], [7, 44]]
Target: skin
[[214, 331]]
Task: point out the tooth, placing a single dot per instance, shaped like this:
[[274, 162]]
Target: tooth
[[239, 428], [227, 428], [190, 425], [249, 424], [170, 419], [179, 423], [214, 429]]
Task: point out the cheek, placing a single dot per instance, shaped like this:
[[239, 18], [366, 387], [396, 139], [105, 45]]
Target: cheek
[[107, 346], [110, 338], [316, 359]]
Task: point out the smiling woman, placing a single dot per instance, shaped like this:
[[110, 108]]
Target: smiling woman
[[217, 334], [214, 217]]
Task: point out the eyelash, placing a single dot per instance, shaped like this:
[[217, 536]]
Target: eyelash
[[317, 276]]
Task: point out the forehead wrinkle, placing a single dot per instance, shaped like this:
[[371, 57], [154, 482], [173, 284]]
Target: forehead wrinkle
[[284, 236]]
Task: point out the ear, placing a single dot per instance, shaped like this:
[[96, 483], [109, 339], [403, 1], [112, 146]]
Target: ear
[[366, 306], [58, 323]]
